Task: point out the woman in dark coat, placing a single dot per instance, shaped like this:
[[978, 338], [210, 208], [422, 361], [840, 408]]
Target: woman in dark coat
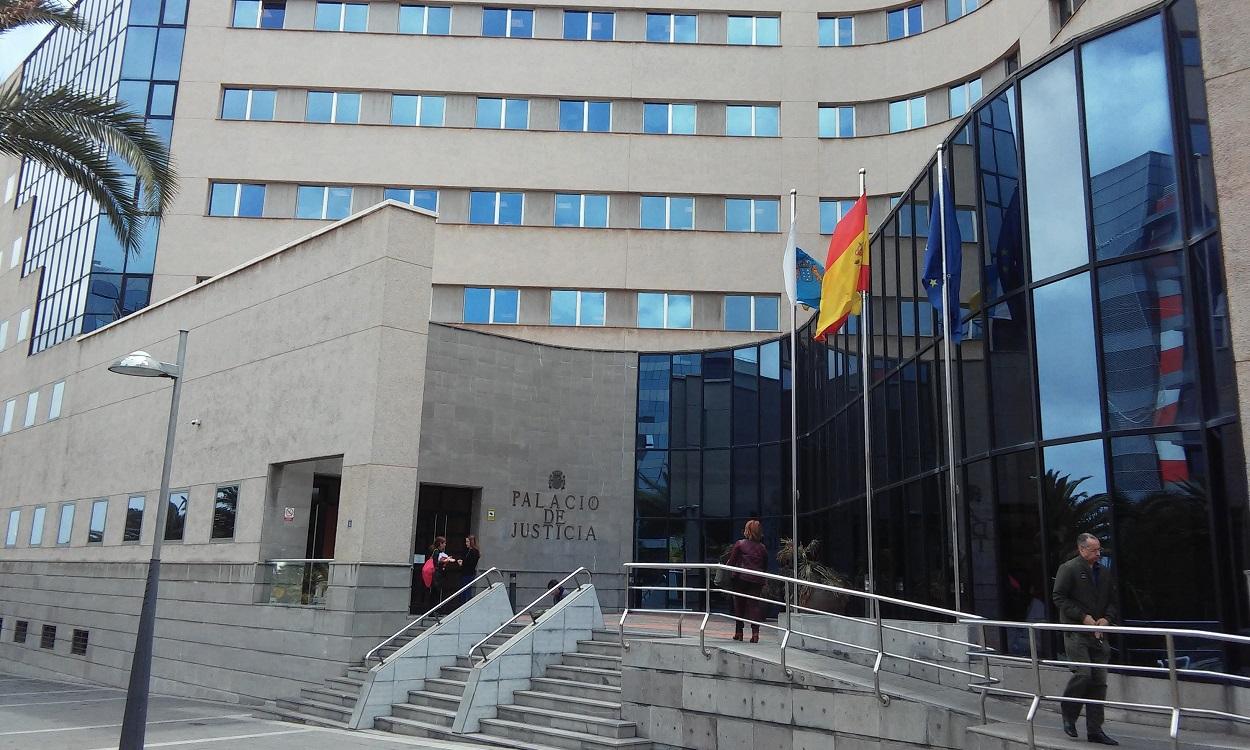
[[468, 566], [748, 552]]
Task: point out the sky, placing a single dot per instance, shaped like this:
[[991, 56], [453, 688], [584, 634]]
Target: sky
[[16, 45]]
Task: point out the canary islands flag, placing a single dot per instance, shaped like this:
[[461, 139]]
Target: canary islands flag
[[846, 271]]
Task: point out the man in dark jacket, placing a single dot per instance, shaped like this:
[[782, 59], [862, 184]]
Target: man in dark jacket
[[1085, 594]]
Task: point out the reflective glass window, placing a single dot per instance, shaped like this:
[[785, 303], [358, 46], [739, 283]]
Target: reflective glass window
[[586, 116], [673, 119], [134, 519], [831, 212], [508, 22], [495, 208], [99, 515], [168, 58], [1052, 157], [663, 310], [667, 212], [907, 114], [754, 30], [427, 199], [904, 22], [65, 529], [581, 210], [737, 312], [667, 27], [1199, 167], [963, 96], [425, 19], [836, 32], [1132, 169], [597, 26], [1075, 499], [272, 14], [753, 120], [10, 534], [577, 308], [1000, 193], [176, 516], [1067, 367], [54, 404], [751, 215], [837, 122], [956, 9], [225, 510], [36, 526]]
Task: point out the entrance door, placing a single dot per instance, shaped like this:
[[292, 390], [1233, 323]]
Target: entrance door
[[324, 518], [441, 511]]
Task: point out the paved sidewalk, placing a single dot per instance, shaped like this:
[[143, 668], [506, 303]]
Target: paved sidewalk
[[42, 714]]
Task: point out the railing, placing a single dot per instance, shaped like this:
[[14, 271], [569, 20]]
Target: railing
[[433, 612], [529, 610], [298, 581], [874, 600], [1175, 707]]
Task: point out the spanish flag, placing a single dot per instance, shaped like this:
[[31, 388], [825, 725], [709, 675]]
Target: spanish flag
[[846, 271]]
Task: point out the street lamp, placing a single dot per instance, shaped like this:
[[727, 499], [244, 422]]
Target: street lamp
[[134, 722]]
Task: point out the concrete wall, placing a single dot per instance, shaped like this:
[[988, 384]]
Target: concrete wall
[[503, 415], [315, 350]]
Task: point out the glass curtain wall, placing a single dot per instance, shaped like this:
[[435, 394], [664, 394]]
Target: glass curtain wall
[[1092, 389]]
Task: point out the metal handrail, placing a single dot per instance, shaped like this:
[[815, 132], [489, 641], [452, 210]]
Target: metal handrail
[[1175, 708], [528, 610], [880, 653], [432, 611], [300, 560]]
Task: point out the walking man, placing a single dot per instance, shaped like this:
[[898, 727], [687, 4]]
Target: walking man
[[1085, 594]]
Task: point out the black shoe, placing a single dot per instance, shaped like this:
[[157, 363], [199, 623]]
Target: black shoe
[[1101, 738], [1069, 727]]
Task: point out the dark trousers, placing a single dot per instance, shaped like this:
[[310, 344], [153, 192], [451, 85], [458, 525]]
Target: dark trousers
[[1086, 682], [748, 608]]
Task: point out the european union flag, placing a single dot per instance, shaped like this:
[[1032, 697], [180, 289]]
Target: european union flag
[[808, 276], [953, 250]]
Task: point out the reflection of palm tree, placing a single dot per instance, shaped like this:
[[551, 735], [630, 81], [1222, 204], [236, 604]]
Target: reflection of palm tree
[[1167, 580], [1071, 511]]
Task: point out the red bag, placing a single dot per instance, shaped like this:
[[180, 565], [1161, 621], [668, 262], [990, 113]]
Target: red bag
[[427, 572]]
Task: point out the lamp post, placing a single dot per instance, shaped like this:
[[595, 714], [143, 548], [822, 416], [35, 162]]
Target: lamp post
[[134, 722]]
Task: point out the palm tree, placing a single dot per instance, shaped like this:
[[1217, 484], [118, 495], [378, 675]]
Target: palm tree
[[72, 134]]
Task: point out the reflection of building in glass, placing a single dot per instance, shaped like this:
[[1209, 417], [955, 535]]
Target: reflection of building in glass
[[1134, 205]]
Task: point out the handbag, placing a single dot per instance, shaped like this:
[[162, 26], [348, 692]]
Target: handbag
[[723, 577]]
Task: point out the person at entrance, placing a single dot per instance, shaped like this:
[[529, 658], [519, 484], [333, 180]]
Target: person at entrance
[[748, 552], [438, 571], [1085, 594], [468, 566]]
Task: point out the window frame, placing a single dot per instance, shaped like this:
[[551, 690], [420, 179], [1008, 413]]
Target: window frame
[[585, 105], [10, 407], [578, 295], [15, 523], [142, 511], [247, 109], [238, 199], [425, 19], [65, 526], [909, 102], [669, 112], [91, 529], [334, 106], [412, 193], [32, 408], [666, 296], [755, 31], [905, 11], [581, 210], [590, 25], [503, 113], [754, 108], [752, 301], [420, 111], [753, 205], [217, 498], [325, 201], [836, 23], [508, 22], [260, 14], [169, 515], [842, 206], [668, 212], [342, 16], [498, 202], [38, 519], [490, 309], [963, 9], [968, 102], [837, 110], [672, 28]]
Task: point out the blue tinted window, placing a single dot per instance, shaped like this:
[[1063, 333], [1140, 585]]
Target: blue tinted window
[[1052, 151], [737, 313], [654, 212], [738, 214], [592, 308], [765, 215], [659, 27], [482, 207], [568, 210], [1067, 364], [521, 24], [685, 29], [272, 14], [489, 113], [681, 213], [246, 13], [339, 202], [826, 32], [432, 110], [221, 202], [329, 16], [683, 119], [599, 117], [516, 114], [234, 104], [168, 54], [476, 305], [655, 118], [602, 26], [741, 30], [320, 106], [494, 22], [650, 310], [831, 211], [576, 24], [767, 121], [664, 27], [403, 109], [563, 307], [846, 32], [420, 19], [163, 100], [139, 52], [262, 104], [133, 95], [438, 20], [739, 120], [766, 313], [679, 311], [505, 306], [309, 201], [251, 200], [510, 208], [347, 108], [572, 115]]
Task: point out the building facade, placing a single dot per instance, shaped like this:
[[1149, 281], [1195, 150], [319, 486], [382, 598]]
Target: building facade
[[570, 343]]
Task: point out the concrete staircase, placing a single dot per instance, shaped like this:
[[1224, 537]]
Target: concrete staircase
[[331, 704], [576, 705]]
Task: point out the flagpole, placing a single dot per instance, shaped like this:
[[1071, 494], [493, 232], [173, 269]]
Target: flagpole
[[870, 583], [794, 430], [952, 480]]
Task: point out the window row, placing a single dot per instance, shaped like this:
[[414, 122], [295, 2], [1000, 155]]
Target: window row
[[585, 25], [22, 329], [574, 307], [581, 115], [55, 398], [47, 637], [225, 510]]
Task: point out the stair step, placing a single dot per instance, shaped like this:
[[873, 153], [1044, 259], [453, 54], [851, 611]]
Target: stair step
[[590, 675], [608, 709], [460, 674], [332, 711], [414, 728], [434, 700], [557, 737], [597, 661], [605, 636], [576, 689], [296, 717], [349, 684], [356, 673], [608, 648], [330, 695], [569, 722], [447, 687], [426, 714], [465, 661]]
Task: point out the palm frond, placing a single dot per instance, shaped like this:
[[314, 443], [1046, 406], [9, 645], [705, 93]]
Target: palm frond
[[17, 13], [74, 134]]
